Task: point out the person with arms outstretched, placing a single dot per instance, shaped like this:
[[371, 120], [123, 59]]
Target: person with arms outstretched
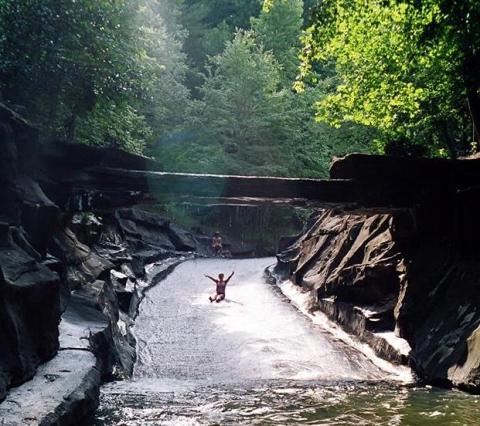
[[221, 284]]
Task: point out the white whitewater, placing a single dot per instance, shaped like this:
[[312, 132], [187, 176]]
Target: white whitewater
[[255, 334], [257, 360]]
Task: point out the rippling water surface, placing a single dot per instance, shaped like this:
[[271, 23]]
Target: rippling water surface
[[255, 359]]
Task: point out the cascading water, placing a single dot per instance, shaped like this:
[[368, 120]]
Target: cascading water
[[252, 359], [252, 335]]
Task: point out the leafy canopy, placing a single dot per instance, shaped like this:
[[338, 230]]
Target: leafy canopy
[[398, 70]]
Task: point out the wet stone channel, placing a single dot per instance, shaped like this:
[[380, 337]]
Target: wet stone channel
[[255, 359]]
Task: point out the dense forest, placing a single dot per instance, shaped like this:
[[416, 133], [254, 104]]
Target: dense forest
[[247, 86]]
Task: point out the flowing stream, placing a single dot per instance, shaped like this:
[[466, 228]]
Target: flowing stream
[[255, 359]]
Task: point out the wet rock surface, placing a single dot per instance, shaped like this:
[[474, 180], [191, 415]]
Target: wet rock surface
[[400, 274], [64, 391], [76, 257], [70, 281], [29, 313]]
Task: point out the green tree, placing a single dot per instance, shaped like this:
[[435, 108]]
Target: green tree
[[239, 94], [210, 24], [247, 119], [165, 101], [278, 29], [235, 126], [57, 58], [398, 70], [73, 65], [116, 125], [459, 25], [311, 145]]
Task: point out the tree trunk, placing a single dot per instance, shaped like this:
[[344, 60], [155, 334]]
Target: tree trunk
[[474, 107], [70, 128], [447, 140]]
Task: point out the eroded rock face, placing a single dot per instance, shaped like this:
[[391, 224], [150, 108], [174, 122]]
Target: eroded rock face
[[29, 314], [445, 335], [353, 257], [29, 289], [352, 263], [69, 267], [410, 272]]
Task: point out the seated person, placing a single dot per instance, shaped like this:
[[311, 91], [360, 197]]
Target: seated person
[[217, 244], [221, 284]]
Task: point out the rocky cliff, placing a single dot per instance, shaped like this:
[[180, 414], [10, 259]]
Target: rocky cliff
[[71, 278], [395, 256], [401, 263], [76, 255]]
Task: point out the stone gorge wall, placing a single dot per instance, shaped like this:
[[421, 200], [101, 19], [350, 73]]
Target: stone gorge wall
[[70, 280], [404, 258], [409, 268], [29, 289]]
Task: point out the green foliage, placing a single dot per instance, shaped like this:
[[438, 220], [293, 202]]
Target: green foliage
[[64, 62], [311, 144], [239, 94], [246, 123], [187, 81], [398, 70], [66, 53], [210, 24], [119, 126], [278, 29], [240, 121], [165, 101]]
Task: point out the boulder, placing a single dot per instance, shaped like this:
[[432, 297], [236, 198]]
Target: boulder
[[142, 258], [143, 229], [124, 289], [83, 264], [87, 227], [182, 239], [351, 262], [110, 244]]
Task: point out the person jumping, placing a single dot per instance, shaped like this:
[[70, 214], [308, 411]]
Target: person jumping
[[221, 284]]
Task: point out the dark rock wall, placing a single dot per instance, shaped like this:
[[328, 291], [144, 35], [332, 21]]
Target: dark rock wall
[[413, 269], [353, 264], [29, 289], [61, 263], [342, 252]]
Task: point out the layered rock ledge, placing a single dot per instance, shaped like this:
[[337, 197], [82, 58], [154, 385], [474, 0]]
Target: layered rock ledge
[[400, 268], [71, 280]]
